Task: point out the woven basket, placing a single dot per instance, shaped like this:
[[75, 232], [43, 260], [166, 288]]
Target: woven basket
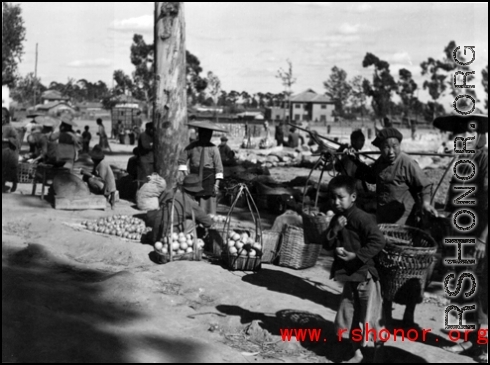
[[408, 254], [294, 252], [26, 172], [165, 258], [242, 263], [270, 246], [315, 225]]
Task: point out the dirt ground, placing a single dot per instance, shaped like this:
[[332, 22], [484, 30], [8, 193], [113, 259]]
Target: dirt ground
[[74, 296]]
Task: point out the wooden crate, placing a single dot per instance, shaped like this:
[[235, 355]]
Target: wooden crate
[[92, 202]]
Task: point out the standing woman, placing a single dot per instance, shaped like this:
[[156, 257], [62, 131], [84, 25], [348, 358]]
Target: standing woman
[[103, 140], [10, 153], [204, 160]]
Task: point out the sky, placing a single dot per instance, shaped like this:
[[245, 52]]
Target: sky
[[245, 44]]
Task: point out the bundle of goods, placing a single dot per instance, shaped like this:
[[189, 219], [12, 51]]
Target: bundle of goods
[[178, 243], [407, 257], [123, 226], [244, 248], [295, 252], [147, 198]]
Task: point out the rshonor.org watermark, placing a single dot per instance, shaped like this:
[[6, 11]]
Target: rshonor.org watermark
[[460, 148]]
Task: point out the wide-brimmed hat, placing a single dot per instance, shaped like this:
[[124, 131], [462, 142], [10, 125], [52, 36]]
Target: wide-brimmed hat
[[67, 120], [458, 124], [205, 124], [192, 183], [97, 153], [386, 133]]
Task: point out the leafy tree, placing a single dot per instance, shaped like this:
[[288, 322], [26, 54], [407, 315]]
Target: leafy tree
[[406, 89], [25, 87], [484, 82], [13, 37], [195, 83], [338, 89], [357, 98], [382, 87], [288, 80], [142, 56]]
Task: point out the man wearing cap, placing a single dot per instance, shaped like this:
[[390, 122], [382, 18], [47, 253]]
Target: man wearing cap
[[185, 205], [402, 191], [204, 160], [101, 181], [146, 160], [226, 153]]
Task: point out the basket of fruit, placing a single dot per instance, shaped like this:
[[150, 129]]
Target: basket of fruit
[[179, 243], [126, 227], [243, 247]]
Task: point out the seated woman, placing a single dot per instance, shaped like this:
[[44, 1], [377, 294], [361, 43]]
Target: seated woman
[[101, 181]]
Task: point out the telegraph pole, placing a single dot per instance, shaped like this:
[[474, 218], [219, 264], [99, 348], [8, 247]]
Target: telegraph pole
[[35, 77], [170, 105]]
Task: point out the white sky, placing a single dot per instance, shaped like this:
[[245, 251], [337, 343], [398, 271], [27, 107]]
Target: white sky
[[246, 43]]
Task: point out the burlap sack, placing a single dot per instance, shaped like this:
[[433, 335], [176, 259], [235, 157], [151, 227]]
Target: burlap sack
[[147, 196]]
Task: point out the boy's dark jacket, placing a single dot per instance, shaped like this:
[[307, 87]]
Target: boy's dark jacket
[[362, 236]]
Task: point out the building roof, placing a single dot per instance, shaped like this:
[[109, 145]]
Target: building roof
[[53, 95], [52, 105], [310, 96], [90, 105]]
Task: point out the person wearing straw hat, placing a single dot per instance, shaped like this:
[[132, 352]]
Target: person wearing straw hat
[[473, 129], [10, 153], [403, 193], [101, 181], [185, 204], [204, 160]]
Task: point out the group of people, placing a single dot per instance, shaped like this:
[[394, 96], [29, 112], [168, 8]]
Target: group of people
[[403, 197]]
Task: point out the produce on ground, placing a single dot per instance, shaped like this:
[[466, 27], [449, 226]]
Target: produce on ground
[[123, 226]]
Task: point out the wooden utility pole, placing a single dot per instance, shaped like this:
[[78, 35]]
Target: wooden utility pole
[[170, 105]]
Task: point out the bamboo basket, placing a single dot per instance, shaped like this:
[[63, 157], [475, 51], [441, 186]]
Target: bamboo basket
[[236, 262], [270, 241], [26, 172], [408, 255], [196, 255], [295, 252]]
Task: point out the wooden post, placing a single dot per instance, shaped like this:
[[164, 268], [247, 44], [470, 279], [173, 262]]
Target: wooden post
[[170, 105]]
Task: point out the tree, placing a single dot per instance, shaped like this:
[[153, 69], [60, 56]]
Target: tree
[[214, 90], [338, 89], [382, 87], [357, 98], [24, 88], [142, 56], [195, 83], [484, 82], [124, 84], [288, 80], [13, 37], [406, 89]]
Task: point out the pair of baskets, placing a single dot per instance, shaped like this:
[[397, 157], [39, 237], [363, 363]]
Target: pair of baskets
[[26, 172], [405, 260]]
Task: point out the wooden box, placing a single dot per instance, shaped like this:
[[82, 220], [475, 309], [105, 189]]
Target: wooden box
[[91, 202]]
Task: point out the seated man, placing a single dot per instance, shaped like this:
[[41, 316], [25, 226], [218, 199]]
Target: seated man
[[185, 205], [101, 181]]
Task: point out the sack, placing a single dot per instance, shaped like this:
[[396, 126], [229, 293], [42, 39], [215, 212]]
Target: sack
[[147, 196]]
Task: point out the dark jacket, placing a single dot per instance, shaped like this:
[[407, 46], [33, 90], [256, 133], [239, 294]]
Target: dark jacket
[[160, 219], [362, 236]]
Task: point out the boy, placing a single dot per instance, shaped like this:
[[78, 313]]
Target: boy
[[357, 240], [86, 138]]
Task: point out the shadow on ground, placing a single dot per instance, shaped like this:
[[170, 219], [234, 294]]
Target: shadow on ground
[[54, 312]]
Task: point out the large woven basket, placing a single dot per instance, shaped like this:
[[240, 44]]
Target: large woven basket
[[407, 256], [270, 246], [242, 263], [294, 252]]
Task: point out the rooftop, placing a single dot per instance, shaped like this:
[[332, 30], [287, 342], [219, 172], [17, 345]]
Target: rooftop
[[310, 96]]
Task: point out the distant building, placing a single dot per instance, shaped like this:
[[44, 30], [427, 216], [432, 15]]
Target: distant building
[[90, 109], [51, 96], [56, 109], [305, 107]]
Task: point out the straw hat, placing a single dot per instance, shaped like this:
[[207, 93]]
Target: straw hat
[[458, 124], [205, 124], [192, 184]]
